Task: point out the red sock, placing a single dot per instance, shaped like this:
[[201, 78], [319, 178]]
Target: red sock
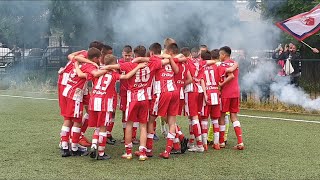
[[221, 135], [179, 133], [102, 143], [84, 127], [128, 148], [176, 143], [65, 133], [197, 131], [142, 150], [170, 138], [95, 138], [191, 139], [149, 142], [110, 127], [238, 131], [76, 132]]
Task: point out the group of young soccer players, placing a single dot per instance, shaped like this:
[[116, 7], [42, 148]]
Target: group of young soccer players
[[166, 83]]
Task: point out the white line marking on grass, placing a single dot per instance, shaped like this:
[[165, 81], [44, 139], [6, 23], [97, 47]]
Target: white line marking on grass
[[241, 115], [26, 97], [282, 119]]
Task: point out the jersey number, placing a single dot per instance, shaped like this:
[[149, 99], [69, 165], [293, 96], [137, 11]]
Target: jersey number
[[106, 82], [142, 75], [210, 78]]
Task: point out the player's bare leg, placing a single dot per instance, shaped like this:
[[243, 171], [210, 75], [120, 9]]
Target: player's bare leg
[[123, 125], [222, 128], [83, 140], [238, 130], [128, 141], [143, 142], [150, 135]]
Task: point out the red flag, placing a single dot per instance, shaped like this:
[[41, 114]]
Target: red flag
[[302, 25]]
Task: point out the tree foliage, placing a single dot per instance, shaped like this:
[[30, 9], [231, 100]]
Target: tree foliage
[[279, 10]]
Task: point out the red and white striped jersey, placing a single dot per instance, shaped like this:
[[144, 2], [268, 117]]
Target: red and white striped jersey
[[211, 78], [164, 78], [64, 73], [140, 83], [196, 66], [123, 82], [76, 85], [103, 91], [181, 76], [231, 89]]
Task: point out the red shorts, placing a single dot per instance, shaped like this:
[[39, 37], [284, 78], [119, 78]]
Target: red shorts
[[123, 103], [62, 100], [165, 104], [99, 118], [191, 103], [214, 111], [86, 99], [230, 105], [73, 110], [201, 104], [137, 111]]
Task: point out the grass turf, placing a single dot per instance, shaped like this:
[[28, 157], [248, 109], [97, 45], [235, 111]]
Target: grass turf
[[274, 149]]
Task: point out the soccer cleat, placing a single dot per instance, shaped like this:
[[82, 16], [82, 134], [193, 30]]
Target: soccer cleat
[[222, 145], [142, 156], [93, 153], [190, 146], [110, 142], [65, 153], [155, 137], [84, 141], [104, 157], [216, 146], [210, 142], [135, 141], [184, 145], [126, 156], [239, 146], [137, 153], [196, 149], [149, 154], [77, 153], [112, 139], [174, 151], [205, 147], [164, 155]]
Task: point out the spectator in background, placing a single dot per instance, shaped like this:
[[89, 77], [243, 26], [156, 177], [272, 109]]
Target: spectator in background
[[288, 53]]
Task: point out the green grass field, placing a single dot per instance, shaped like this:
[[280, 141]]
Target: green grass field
[[274, 149]]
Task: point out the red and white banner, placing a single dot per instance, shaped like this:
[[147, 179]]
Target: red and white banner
[[302, 25]]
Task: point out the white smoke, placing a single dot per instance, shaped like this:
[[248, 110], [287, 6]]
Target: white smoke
[[263, 78], [292, 95], [217, 22]]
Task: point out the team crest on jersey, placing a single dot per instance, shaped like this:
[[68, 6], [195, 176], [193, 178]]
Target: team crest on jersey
[[168, 68]]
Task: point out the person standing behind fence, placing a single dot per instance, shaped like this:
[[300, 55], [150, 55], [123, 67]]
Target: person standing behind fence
[[289, 53]]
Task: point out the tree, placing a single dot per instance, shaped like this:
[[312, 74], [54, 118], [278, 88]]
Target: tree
[[283, 9], [23, 23]]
